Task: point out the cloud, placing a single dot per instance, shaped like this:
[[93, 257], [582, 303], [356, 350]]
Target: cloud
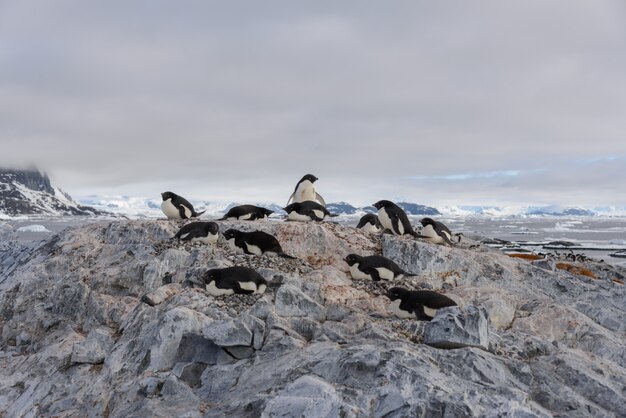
[[224, 98]]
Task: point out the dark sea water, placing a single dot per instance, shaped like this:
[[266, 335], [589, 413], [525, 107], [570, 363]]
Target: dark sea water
[[599, 236]]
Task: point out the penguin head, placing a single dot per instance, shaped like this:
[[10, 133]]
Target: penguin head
[[167, 195], [211, 228], [382, 204], [309, 177], [291, 208], [427, 221], [231, 233], [211, 275], [397, 293], [351, 259]]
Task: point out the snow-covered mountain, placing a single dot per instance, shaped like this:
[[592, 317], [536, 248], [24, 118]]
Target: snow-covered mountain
[[29, 192]]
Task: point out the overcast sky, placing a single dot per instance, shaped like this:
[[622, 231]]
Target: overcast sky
[[436, 102]]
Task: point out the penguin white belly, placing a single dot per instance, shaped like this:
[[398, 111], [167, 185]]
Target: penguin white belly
[[384, 219], [216, 291], [369, 228], [394, 307], [248, 286], [304, 192], [295, 216], [429, 232], [170, 210], [385, 274], [358, 274], [209, 239], [318, 213], [430, 311], [245, 217], [261, 289], [253, 249]]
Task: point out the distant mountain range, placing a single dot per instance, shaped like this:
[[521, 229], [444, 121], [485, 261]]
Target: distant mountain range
[[29, 192]]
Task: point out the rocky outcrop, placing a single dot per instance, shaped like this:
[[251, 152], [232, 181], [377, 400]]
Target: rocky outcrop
[[111, 319]]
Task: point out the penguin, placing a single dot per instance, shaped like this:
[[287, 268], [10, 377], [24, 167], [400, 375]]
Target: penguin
[[177, 207], [369, 223], [420, 304], [393, 218], [435, 232], [306, 211], [204, 232], [374, 267], [230, 280], [256, 242], [246, 213], [306, 191]]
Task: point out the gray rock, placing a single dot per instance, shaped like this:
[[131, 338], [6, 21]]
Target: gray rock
[[320, 344], [292, 302], [228, 333], [308, 396], [456, 327]]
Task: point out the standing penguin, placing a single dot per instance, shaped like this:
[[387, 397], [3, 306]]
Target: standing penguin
[[374, 267], [369, 223], [229, 280], [435, 232], [307, 211], [177, 207], [246, 213], [305, 190], [393, 218], [420, 304], [255, 242], [204, 232]]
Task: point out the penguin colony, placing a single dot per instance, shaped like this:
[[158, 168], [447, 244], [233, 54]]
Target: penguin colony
[[306, 205]]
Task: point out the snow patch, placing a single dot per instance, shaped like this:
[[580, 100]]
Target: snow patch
[[33, 228]]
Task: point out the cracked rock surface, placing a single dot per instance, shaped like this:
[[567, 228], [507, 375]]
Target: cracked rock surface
[[112, 319]]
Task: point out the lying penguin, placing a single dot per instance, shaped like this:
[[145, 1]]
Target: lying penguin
[[435, 232], [231, 280], [246, 213], [177, 207], [307, 211], [420, 304], [256, 243], [204, 232], [369, 223], [374, 267]]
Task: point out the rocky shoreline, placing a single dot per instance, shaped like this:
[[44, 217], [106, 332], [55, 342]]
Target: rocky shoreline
[[110, 319]]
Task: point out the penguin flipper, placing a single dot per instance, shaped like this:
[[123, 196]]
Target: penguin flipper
[[446, 238], [373, 273], [182, 211], [240, 290], [421, 315], [291, 198], [316, 218], [405, 305], [320, 199], [191, 234]]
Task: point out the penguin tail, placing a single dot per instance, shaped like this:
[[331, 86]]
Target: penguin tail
[[196, 214], [410, 274], [333, 215], [223, 218], [291, 257]]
